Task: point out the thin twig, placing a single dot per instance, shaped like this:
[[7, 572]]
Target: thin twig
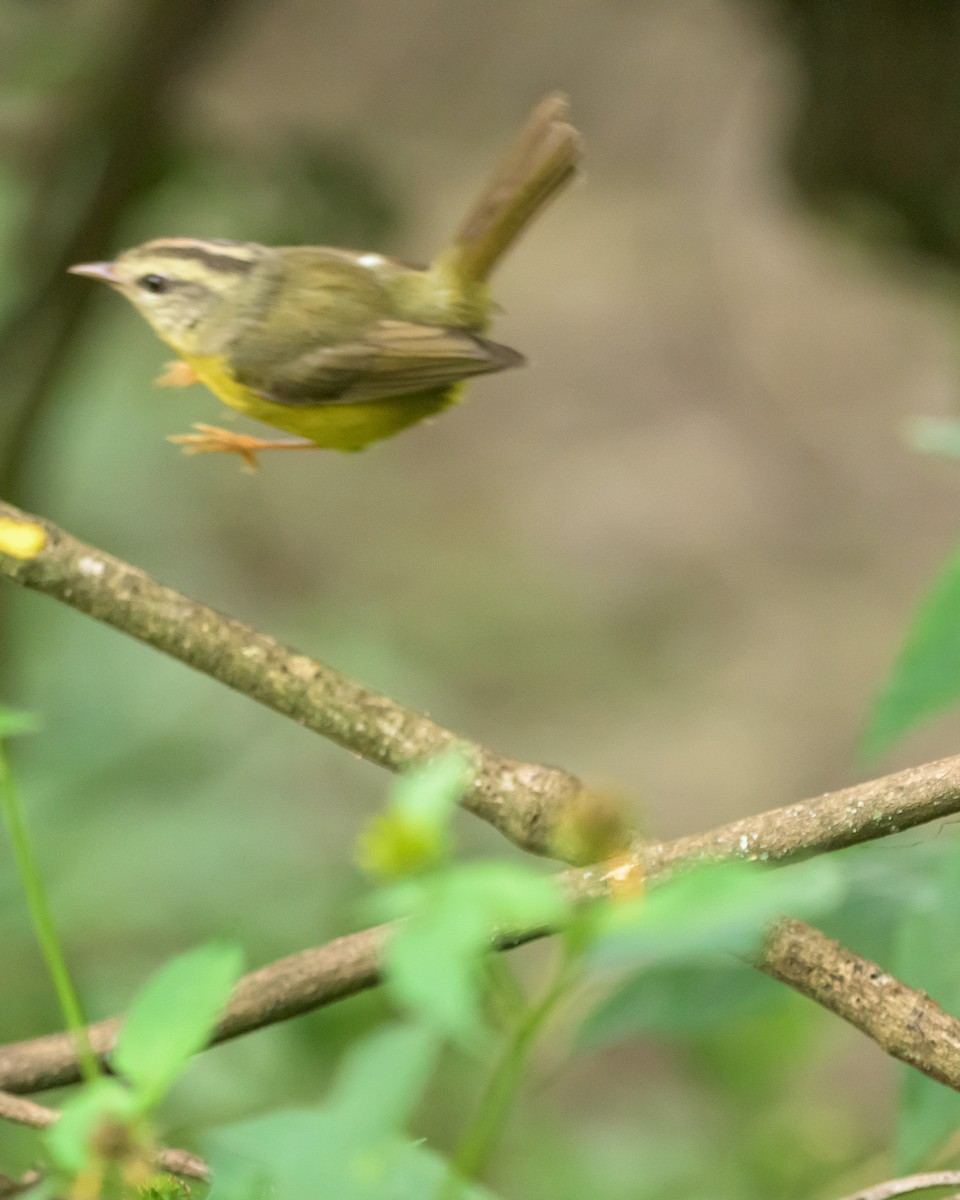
[[908, 1184], [26, 1112], [526, 802], [17, 1187], [38, 1116], [184, 1164], [832, 821]]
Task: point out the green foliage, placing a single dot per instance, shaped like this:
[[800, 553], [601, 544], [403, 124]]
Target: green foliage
[[384, 1077], [172, 1017], [711, 910], [353, 1147], [414, 832], [748, 1057], [678, 944], [164, 1187], [71, 1141], [925, 957], [35, 893], [450, 912], [433, 960], [925, 678], [685, 999], [103, 1129], [14, 723]]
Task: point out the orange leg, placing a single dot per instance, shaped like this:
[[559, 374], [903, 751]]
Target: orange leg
[[210, 439], [177, 374]]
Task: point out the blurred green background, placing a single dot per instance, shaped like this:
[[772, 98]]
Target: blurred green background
[[675, 554]]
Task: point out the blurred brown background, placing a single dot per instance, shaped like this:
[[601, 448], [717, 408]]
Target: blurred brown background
[[675, 554]]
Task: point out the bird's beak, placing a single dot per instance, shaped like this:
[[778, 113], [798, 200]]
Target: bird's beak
[[102, 270]]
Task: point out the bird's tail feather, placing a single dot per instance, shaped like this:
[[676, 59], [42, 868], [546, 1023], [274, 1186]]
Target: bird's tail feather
[[539, 164]]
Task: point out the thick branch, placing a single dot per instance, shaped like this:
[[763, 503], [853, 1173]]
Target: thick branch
[[904, 1022], [38, 1116], [526, 802]]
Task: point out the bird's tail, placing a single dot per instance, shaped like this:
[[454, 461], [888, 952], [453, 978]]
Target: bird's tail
[[538, 165]]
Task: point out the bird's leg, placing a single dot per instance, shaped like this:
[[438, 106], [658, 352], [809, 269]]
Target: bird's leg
[[210, 439], [177, 374]]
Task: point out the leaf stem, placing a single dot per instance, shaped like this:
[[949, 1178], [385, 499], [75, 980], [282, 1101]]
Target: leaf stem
[[43, 925]]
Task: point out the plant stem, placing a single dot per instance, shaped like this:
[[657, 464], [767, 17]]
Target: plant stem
[[481, 1135], [43, 925]]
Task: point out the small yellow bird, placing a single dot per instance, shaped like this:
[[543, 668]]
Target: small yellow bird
[[340, 347]]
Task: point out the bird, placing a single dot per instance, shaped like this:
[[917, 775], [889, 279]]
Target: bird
[[341, 347]]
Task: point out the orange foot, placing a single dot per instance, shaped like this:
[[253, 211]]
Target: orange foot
[[177, 374], [210, 439]]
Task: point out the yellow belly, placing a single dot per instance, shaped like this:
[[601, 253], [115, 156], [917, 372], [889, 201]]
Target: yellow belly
[[333, 426]]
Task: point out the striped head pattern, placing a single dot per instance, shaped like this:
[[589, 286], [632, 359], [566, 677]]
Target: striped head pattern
[[183, 286]]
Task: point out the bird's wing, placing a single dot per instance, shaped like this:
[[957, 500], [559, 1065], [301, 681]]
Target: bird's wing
[[392, 358]]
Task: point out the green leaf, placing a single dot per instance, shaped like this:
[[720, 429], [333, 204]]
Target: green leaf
[[432, 965], [173, 1016], [352, 1148], [751, 1056], [929, 1112], [684, 1000], [413, 835], [70, 1139], [384, 1077], [709, 911], [164, 1187], [433, 959], [13, 722], [431, 792], [925, 678], [313, 1155]]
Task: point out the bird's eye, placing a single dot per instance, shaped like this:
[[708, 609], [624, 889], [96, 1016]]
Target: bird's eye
[[154, 283]]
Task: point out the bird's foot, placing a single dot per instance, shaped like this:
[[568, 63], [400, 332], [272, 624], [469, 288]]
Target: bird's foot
[[177, 374], [210, 439]]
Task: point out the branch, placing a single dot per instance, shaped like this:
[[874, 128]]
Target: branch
[[796, 953], [38, 1116], [832, 821], [908, 1184], [904, 1022], [526, 802], [26, 1112], [286, 988]]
